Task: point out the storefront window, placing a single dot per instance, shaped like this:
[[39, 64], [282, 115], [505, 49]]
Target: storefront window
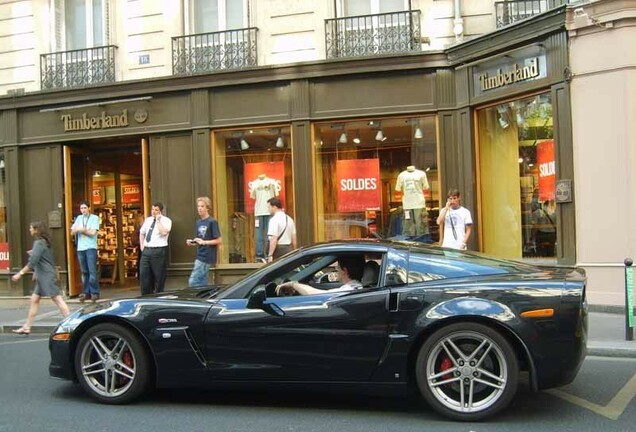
[[377, 178], [251, 166], [517, 178]]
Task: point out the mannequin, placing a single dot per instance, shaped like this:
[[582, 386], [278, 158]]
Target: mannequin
[[412, 182], [261, 189]]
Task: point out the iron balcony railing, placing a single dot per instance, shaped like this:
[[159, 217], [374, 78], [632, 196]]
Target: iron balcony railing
[[209, 52], [511, 11], [367, 35], [78, 68]]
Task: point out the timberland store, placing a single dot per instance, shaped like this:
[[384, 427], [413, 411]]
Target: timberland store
[[338, 142]]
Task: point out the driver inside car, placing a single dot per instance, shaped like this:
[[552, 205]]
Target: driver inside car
[[349, 268]]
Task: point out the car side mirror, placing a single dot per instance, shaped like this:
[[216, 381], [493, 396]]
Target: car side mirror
[[257, 299]]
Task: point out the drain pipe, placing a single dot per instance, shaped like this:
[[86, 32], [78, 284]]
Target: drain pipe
[[458, 22]]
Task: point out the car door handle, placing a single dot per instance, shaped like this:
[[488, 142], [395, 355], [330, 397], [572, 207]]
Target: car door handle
[[393, 302]]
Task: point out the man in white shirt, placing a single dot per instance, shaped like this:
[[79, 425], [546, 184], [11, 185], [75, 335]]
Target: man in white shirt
[[153, 241], [281, 232], [350, 269], [458, 223]]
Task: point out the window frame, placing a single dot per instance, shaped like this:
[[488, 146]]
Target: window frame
[[188, 20], [58, 38]]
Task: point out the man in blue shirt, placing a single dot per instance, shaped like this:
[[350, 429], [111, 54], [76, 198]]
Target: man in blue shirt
[[207, 237], [85, 229]]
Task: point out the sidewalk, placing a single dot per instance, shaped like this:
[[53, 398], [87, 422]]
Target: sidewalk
[[606, 326]]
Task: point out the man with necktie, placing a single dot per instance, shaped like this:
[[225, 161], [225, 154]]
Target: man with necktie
[[153, 240]]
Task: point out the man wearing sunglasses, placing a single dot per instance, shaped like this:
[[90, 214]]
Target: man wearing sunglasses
[[458, 224]]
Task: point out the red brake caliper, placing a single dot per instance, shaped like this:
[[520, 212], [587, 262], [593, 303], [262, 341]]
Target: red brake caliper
[[128, 361], [445, 364]]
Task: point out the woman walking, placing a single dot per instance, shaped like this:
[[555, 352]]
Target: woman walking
[[46, 283]]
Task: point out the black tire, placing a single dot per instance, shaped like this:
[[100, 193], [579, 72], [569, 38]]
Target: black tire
[[112, 365], [467, 371]]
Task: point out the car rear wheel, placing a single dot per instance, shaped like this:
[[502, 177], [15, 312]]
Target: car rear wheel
[[467, 371], [111, 364]]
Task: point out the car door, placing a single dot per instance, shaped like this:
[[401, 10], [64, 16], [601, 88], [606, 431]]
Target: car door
[[322, 337]]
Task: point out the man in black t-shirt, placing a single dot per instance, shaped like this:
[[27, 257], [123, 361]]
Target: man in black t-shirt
[[207, 237]]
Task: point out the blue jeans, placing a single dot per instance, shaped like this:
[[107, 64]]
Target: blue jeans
[[88, 265], [199, 275], [260, 236]]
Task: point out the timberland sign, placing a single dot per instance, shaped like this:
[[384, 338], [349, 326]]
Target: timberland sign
[[103, 121], [513, 75]]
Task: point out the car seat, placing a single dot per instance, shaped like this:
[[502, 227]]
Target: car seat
[[370, 274]]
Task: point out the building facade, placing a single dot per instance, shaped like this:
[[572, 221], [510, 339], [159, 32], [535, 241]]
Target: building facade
[[324, 106]]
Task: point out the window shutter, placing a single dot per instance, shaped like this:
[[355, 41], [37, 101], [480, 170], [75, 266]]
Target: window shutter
[[107, 22], [58, 25]]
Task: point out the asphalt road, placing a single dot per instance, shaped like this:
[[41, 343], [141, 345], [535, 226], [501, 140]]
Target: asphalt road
[[600, 399]]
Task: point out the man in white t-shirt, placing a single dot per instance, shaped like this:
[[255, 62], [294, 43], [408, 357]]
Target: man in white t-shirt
[[458, 224], [350, 269], [281, 231]]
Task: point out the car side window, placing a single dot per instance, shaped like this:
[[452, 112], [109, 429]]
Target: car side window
[[396, 268], [428, 267]]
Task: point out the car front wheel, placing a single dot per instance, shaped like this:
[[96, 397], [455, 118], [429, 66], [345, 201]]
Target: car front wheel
[[111, 364], [467, 371]]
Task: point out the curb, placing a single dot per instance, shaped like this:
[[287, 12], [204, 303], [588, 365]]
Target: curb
[[35, 330], [611, 352]]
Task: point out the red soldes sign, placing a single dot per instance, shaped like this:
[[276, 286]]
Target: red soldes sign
[[130, 194], [273, 170], [98, 196], [4, 256], [358, 182], [547, 170]]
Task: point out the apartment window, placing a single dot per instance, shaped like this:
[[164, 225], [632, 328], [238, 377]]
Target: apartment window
[[80, 24], [206, 16], [368, 7]]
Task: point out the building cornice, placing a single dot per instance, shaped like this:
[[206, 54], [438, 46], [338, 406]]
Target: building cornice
[[258, 75], [509, 37]]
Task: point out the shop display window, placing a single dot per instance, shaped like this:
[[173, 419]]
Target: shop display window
[[377, 178], [518, 177], [250, 166]]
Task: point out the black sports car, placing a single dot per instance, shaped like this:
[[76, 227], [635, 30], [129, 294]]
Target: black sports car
[[456, 326]]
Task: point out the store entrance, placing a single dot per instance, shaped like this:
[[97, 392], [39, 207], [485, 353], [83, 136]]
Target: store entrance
[[109, 174]]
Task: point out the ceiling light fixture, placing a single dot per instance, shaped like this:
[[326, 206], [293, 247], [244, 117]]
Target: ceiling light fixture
[[380, 136], [418, 133], [343, 138], [280, 143], [244, 144], [357, 138]]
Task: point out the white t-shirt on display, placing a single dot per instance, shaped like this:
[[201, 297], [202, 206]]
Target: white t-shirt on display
[[277, 225], [460, 219], [412, 185], [262, 190]]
